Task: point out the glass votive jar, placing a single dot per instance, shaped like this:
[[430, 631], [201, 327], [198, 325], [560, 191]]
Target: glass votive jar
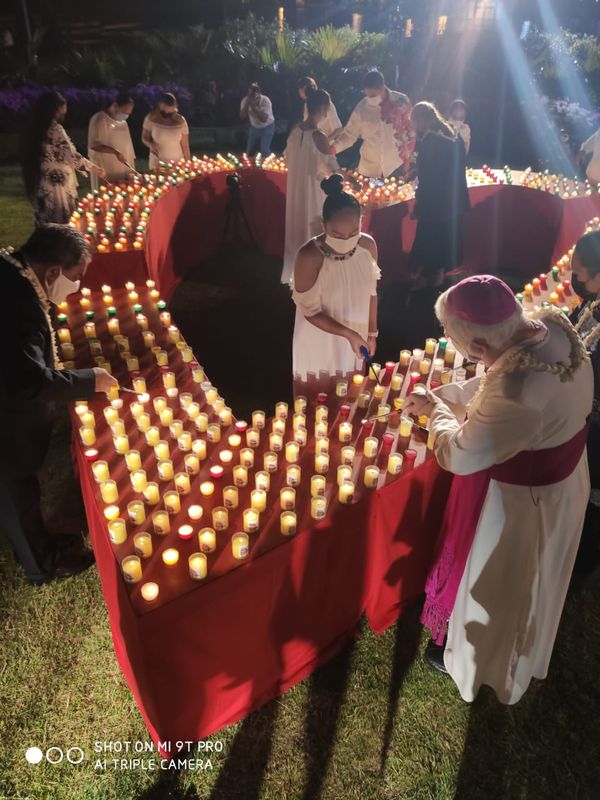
[[344, 473], [220, 518], [136, 511], [149, 591], [213, 433], [165, 469], [142, 543], [87, 434], [240, 546], [184, 441], [100, 471], [231, 497], [406, 427], [288, 523], [341, 388], [258, 419], [176, 429], [287, 498], [322, 464], [396, 382], [321, 414], [293, 475], [252, 437], [346, 492], [109, 492], [151, 493], [251, 519], [162, 449], [300, 404], [117, 531], [240, 475], [281, 410], [111, 512], [262, 480], [394, 465], [270, 462], [364, 398], [161, 523], [193, 411], [322, 446], [172, 502], [378, 391], [138, 480], [410, 457], [198, 566], [301, 437], [195, 512], [258, 499], [370, 447], [201, 422], [371, 476], [275, 442], [152, 436], [347, 455], [345, 432], [182, 483], [317, 486], [133, 460], [192, 464], [199, 449], [207, 488], [207, 540], [131, 567], [318, 507], [247, 457]]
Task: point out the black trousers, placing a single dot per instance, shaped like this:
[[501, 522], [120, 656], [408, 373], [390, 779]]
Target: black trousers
[[588, 553]]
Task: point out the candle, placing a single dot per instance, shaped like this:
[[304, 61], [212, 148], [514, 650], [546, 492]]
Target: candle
[[358, 379], [139, 384], [88, 435], [168, 379], [425, 366], [108, 490], [281, 410], [165, 469], [252, 437], [344, 473], [300, 404], [321, 414], [396, 382], [410, 457], [185, 531], [276, 442], [101, 471], [234, 440], [299, 421], [318, 507], [405, 358], [347, 454], [182, 483], [320, 430], [258, 499], [446, 376], [394, 465], [341, 388], [430, 346], [136, 511], [258, 419], [370, 447], [207, 488], [288, 523], [379, 391], [247, 457], [166, 417], [321, 464], [172, 502], [176, 428], [149, 338], [161, 523], [199, 449], [251, 519], [170, 556], [383, 413], [161, 449], [213, 433], [142, 543], [449, 355], [138, 480], [406, 426], [287, 498], [270, 461], [149, 591], [231, 497], [159, 403], [132, 569], [317, 486], [184, 441], [345, 432], [220, 518], [262, 480], [293, 475], [371, 476], [240, 545], [113, 326], [192, 464], [226, 416], [111, 513], [292, 451], [301, 437], [117, 531], [151, 493], [207, 540], [364, 398], [346, 492], [143, 422], [240, 475]]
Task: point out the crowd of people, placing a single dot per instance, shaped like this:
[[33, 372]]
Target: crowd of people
[[515, 439]]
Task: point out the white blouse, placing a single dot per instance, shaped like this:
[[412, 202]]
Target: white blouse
[[167, 139]]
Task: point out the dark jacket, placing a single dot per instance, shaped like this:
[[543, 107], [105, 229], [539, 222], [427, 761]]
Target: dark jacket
[[594, 434], [28, 380], [441, 169]]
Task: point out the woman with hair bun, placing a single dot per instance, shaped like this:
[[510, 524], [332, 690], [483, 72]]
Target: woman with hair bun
[[335, 290], [330, 124], [309, 160]]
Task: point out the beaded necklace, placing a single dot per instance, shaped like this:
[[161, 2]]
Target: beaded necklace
[[591, 339]]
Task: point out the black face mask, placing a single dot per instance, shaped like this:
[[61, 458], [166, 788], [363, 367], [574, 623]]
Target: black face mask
[[580, 289]]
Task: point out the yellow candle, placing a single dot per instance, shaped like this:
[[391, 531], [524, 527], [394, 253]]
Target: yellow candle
[[292, 451], [111, 415], [211, 395], [132, 569], [143, 422], [262, 480], [101, 471], [317, 486], [226, 416], [346, 492], [207, 540], [240, 475], [252, 437], [318, 507], [88, 435], [149, 591], [258, 499], [378, 391], [281, 410], [172, 502], [247, 457], [165, 469], [142, 543], [322, 446], [149, 339], [161, 522], [341, 388], [184, 441], [111, 513], [322, 464], [176, 428], [364, 398], [138, 480], [133, 364], [270, 462], [321, 414], [197, 564], [168, 379], [300, 404], [182, 483], [192, 464], [430, 345], [347, 454], [213, 433], [199, 449], [406, 426], [293, 475], [371, 476], [287, 498], [166, 417], [370, 446], [220, 518], [139, 384], [301, 437], [383, 413], [108, 490], [449, 355], [113, 326], [358, 379], [159, 403], [207, 488], [231, 497], [396, 382], [240, 545], [320, 430], [251, 519], [117, 531], [161, 449], [394, 466], [258, 419], [170, 556], [288, 523], [136, 511], [345, 432], [344, 473], [405, 358], [151, 493], [299, 421]]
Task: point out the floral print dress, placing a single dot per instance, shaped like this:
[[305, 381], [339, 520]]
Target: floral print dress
[[56, 194]]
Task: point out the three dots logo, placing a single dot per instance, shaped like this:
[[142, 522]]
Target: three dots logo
[[54, 755]]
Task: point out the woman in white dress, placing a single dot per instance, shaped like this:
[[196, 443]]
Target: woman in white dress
[[309, 161], [330, 124], [109, 140], [166, 133], [335, 291]]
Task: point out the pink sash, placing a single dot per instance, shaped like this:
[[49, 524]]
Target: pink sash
[[465, 503]]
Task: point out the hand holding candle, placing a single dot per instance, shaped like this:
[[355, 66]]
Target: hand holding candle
[[420, 402]]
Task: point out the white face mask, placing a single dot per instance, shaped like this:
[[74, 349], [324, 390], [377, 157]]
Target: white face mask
[[120, 117], [374, 101], [61, 289], [342, 245]]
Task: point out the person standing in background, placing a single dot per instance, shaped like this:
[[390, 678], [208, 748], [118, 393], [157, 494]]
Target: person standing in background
[[458, 115], [49, 162], [258, 110], [165, 132], [309, 161], [330, 124], [109, 140], [591, 149], [382, 120]]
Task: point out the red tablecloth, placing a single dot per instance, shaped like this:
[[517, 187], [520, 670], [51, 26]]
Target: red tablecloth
[[115, 269]]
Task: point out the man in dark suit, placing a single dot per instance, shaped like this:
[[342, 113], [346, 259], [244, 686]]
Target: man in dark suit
[[44, 271], [585, 264]]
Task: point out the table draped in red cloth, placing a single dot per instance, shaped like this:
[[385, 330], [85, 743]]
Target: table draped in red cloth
[[115, 269]]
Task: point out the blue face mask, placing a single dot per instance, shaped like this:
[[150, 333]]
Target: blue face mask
[[120, 117]]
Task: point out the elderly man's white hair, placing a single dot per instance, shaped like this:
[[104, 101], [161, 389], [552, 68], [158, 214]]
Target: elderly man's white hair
[[496, 335]]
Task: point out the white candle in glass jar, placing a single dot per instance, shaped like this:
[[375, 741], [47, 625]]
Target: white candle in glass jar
[[287, 498], [270, 461], [394, 466], [321, 430], [213, 433], [149, 339], [251, 520], [322, 446], [165, 469], [300, 404], [240, 475], [197, 564], [317, 485], [371, 476], [231, 497], [301, 436], [278, 426], [142, 543], [149, 591], [258, 499], [166, 417], [172, 502], [345, 432], [288, 523], [322, 464], [182, 483], [207, 540], [321, 414], [184, 441], [240, 545], [247, 457], [292, 451], [131, 567], [344, 473], [220, 518], [168, 379], [162, 450], [262, 480], [293, 475], [201, 422], [170, 556], [176, 428], [152, 436], [252, 437], [193, 411], [346, 492], [281, 410], [207, 488], [258, 419], [87, 435], [370, 446], [161, 523], [348, 454], [192, 464], [151, 493], [136, 511], [318, 507], [117, 531]]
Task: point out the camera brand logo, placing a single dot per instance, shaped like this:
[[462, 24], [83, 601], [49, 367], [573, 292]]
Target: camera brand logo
[[54, 755]]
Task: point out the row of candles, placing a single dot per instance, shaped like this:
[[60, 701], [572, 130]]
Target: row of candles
[[559, 185]]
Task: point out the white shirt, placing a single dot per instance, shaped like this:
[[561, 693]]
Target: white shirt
[[264, 105], [379, 152], [592, 145]]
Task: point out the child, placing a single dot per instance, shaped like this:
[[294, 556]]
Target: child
[[458, 113]]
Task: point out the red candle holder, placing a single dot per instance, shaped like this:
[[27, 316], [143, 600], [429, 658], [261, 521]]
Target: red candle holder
[[414, 378], [387, 440], [241, 426], [567, 287], [390, 366], [322, 398], [91, 454], [367, 425], [410, 458], [216, 471], [345, 410], [435, 384], [544, 281]]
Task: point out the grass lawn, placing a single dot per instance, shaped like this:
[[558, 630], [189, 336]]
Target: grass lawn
[[374, 724]]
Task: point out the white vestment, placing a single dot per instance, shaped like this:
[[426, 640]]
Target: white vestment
[[510, 599]]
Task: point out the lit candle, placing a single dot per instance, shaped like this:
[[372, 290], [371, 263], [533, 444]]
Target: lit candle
[[371, 476], [320, 430], [138, 480], [101, 471], [258, 419], [322, 464], [346, 492], [301, 437], [292, 451], [111, 513], [240, 545], [213, 433], [161, 523], [262, 480], [185, 531], [281, 411], [149, 339], [299, 421], [184, 441], [383, 413], [207, 540], [276, 442], [252, 437], [139, 384], [182, 483], [143, 422], [161, 449], [88, 435], [406, 426], [226, 416], [192, 464], [288, 523], [142, 543], [168, 379], [108, 490], [199, 449], [234, 440], [117, 531], [220, 518], [293, 475], [201, 422], [231, 497], [364, 398], [321, 414], [270, 461], [278, 425], [397, 380], [165, 469], [149, 591], [425, 366], [318, 507], [287, 498], [131, 567], [394, 465], [358, 379], [345, 432], [207, 488], [172, 502], [405, 358], [300, 404], [247, 457], [170, 556], [430, 346], [151, 493], [347, 454], [176, 428], [379, 391], [370, 446], [251, 519], [317, 486], [341, 388], [136, 511], [258, 499]]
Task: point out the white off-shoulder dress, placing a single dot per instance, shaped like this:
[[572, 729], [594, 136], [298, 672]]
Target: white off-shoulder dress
[[343, 290]]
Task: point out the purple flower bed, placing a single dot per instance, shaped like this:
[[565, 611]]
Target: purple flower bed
[[15, 104]]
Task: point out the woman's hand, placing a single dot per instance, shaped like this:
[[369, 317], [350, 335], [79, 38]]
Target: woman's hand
[[99, 171], [356, 342], [420, 402]]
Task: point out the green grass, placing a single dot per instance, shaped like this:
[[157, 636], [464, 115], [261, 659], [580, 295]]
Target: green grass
[[60, 685]]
